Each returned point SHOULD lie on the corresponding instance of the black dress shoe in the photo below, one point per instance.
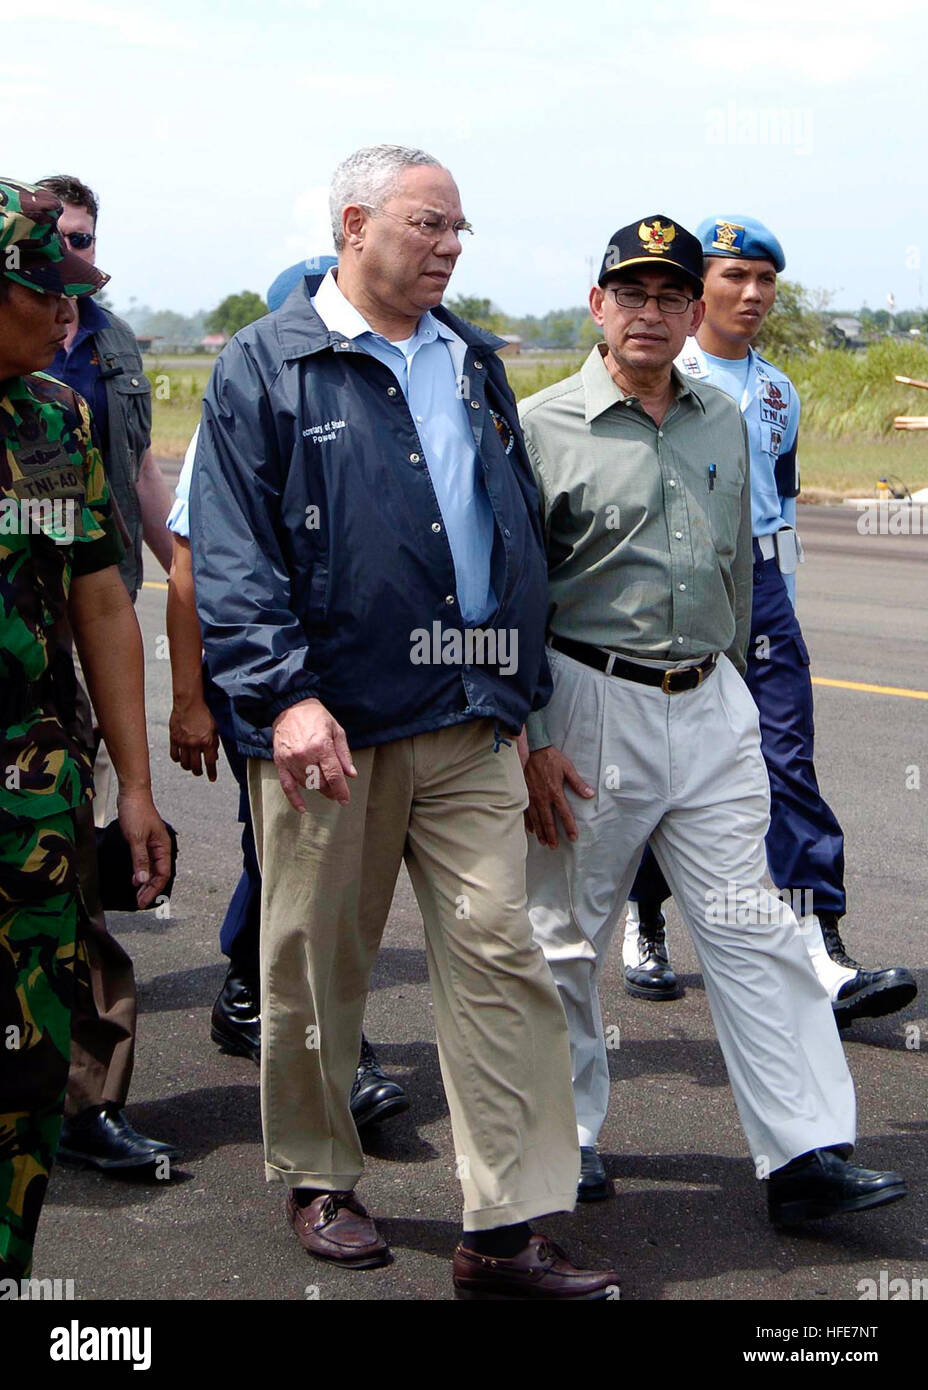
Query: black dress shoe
(374, 1097)
(652, 977)
(236, 1019)
(822, 1183)
(102, 1137)
(593, 1186)
(866, 993)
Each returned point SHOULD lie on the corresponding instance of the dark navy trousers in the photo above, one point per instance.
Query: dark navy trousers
(239, 934)
(805, 843)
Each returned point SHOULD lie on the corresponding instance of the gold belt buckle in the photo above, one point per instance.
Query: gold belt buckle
(679, 671)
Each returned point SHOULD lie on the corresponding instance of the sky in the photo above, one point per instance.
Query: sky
(210, 131)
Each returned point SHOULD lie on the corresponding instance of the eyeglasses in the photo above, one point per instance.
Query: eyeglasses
(431, 224)
(79, 241)
(633, 297)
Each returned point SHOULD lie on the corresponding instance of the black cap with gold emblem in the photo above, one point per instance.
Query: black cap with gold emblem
(654, 241)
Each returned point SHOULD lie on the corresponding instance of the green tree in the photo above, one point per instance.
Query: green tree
(590, 334)
(236, 311)
(562, 330)
(478, 311)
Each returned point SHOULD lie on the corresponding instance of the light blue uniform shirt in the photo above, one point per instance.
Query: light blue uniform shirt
(728, 375)
(428, 367)
(770, 406)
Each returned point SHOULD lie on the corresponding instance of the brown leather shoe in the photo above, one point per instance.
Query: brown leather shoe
(335, 1226)
(542, 1270)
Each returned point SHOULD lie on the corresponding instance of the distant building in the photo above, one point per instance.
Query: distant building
(214, 342)
(513, 345)
(846, 333)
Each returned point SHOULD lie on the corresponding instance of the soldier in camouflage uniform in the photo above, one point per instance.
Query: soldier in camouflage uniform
(58, 556)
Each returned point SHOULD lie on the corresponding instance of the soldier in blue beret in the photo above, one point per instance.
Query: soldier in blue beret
(805, 843)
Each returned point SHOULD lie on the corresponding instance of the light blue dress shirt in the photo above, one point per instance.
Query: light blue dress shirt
(178, 519)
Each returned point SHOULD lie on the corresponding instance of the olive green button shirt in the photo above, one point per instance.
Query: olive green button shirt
(647, 527)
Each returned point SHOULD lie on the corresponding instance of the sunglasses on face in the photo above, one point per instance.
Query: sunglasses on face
(78, 241)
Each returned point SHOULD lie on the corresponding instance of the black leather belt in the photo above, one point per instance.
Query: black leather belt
(672, 682)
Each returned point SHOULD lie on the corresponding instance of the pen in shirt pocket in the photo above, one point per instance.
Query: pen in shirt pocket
(711, 471)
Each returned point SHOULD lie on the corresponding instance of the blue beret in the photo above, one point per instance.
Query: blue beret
(288, 279)
(741, 238)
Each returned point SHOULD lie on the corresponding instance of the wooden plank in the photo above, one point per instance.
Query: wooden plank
(912, 381)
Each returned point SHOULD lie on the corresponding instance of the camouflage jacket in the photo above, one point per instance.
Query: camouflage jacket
(55, 522)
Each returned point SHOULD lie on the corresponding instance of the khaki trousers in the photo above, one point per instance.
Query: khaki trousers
(451, 807)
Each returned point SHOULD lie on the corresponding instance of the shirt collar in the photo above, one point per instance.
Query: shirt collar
(338, 313)
(92, 317)
(299, 329)
(340, 316)
(697, 354)
(600, 390)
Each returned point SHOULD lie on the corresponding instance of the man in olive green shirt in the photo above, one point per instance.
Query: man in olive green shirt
(645, 496)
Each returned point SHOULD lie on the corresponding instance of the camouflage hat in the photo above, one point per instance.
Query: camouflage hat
(32, 251)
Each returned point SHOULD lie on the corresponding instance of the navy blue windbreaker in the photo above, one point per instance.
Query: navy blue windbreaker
(315, 559)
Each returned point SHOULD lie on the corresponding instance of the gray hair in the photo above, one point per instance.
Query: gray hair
(371, 175)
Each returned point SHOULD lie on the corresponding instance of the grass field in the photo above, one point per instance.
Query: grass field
(846, 442)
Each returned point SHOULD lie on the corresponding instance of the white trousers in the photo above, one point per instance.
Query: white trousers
(685, 772)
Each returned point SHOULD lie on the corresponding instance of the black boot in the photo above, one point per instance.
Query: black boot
(651, 977)
(374, 1097)
(865, 993)
(593, 1186)
(236, 1017)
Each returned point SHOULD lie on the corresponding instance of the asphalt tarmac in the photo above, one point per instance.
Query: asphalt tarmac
(688, 1220)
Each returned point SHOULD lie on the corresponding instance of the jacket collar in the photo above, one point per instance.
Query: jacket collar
(301, 332)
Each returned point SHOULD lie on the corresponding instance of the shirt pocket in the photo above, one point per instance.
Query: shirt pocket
(724, 512)
(133, 394)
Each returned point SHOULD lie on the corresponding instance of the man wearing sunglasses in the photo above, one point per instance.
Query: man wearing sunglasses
(651, 733)
(99, 358)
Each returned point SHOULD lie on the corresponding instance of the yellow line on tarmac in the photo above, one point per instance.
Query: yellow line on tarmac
(872, 689)
(816, 680)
